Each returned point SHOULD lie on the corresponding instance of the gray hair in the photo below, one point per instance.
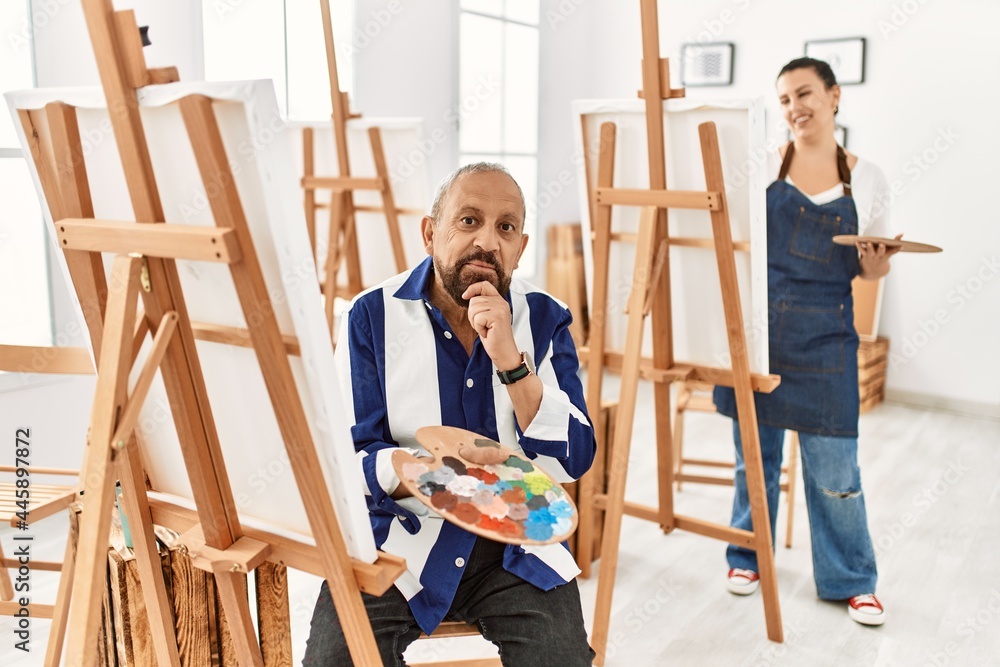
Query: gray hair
(474, 168)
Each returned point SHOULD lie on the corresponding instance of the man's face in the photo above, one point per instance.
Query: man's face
(479, 235)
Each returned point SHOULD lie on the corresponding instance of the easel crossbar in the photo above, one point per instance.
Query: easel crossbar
(763, 384)
(688, 199)
(207, 244)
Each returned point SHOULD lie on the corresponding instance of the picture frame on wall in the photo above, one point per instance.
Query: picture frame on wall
(709, 64)
(846, 57)
(840, 134)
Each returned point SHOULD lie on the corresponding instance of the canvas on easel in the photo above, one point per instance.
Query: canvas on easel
(694, 278)
(238, 374)
(408, 176)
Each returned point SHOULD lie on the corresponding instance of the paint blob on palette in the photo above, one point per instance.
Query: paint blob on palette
(486, 488)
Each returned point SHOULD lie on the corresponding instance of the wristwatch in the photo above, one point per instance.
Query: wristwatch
(519, 373)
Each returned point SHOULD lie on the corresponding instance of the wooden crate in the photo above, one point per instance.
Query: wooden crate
(564, 275)
(873, 362)
(203, 635)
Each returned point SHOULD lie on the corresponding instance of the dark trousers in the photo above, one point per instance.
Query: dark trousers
(531, 627)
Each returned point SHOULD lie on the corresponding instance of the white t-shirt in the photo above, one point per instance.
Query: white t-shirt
(869, 188)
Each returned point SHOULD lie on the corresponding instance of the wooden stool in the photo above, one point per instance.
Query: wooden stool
(44, 501)
(457, 629)
(697, 396)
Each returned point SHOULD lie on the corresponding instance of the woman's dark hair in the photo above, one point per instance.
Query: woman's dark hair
(821, 67)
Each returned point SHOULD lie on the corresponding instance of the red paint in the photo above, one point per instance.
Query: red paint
(483, 475)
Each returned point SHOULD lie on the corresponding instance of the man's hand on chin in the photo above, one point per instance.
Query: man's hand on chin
(489, 315)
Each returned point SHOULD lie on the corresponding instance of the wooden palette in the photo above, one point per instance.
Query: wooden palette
(480, 485)
(904, 246)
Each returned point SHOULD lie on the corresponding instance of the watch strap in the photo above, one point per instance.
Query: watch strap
(519, 373)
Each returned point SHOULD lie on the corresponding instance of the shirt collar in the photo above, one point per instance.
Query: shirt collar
(418, 284)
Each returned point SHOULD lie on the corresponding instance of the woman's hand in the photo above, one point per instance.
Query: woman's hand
(875, 258)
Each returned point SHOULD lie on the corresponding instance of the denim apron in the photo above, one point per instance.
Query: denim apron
(813, 345)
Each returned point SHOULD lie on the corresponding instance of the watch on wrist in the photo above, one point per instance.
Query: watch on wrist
(519, 373)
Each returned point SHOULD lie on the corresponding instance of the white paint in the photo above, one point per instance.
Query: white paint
(409, 67)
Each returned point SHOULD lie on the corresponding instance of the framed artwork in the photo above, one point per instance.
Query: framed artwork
(840, 134)
(707, 64)
(845, 56)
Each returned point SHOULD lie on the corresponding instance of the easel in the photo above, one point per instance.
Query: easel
(650, 294)
(145, 265)
(342, 241)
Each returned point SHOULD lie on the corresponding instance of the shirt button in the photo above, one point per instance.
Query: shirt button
(447, 334)
(459, 562)
(469, 383)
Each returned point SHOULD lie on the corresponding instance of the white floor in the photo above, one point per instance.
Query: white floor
(932, 482)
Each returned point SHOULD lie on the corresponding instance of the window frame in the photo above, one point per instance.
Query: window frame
(530, 263)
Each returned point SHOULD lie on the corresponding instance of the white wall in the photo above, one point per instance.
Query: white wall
(58, 409)
(929, 88)
(405, 66)
(64, 57)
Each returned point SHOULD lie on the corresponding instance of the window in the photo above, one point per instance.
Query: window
(25, 301)
(281, 41)
(498, 95)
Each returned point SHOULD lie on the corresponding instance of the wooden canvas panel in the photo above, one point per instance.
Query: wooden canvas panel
(260, 157)
(699, 327)
(407, 151)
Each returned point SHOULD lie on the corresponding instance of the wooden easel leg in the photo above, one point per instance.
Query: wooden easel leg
(793, 473)
(683, 394)
(309, 169)
(388, 199)
(663, 358)
(618, 466)
(350, 248)
(756, 490)
(112, 380)
(233, 592)
(334, 250)
(57, 632)
(595, 363)
(147, 556)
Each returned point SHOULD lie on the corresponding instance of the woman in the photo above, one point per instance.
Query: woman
(820, 191)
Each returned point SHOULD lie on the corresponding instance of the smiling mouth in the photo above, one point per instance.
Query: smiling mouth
(801, 120)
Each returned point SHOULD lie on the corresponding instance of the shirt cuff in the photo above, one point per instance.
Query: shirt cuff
(382, 481)
(548, 432)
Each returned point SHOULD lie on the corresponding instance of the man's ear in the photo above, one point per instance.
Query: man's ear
(524, 244)
(427, 233)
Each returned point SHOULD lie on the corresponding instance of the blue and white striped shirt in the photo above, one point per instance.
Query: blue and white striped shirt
(401, 368)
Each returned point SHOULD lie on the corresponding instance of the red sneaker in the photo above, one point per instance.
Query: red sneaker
(866, 610)
(742, 582)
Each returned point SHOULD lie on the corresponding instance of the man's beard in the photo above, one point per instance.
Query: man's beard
(453, 283)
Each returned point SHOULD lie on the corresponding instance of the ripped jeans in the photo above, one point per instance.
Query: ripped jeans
(842, 552)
